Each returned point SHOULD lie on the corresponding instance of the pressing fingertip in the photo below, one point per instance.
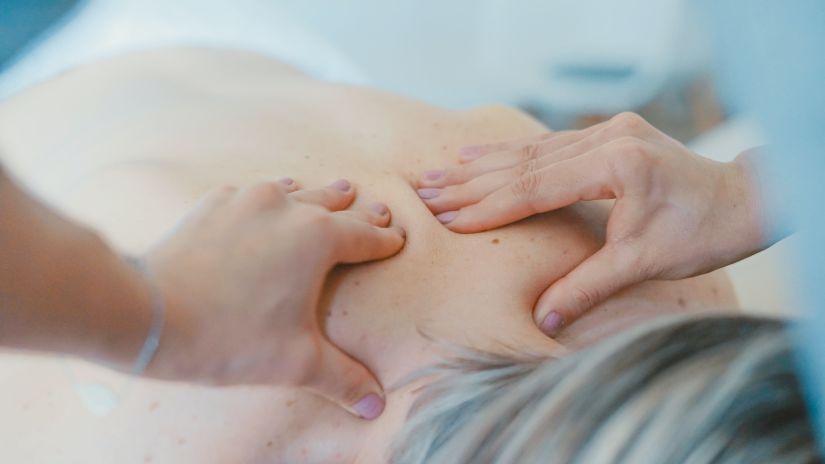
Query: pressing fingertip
(342, 185)
(369, 407)
(428, 193)
(401, 231)
(552, 323)
(379, 209)
(290, 186)
(446, 218)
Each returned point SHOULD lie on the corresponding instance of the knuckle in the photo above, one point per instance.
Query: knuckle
(628, 122)
(527, 186)
(583, 299)
(265, 193)
(529, 152)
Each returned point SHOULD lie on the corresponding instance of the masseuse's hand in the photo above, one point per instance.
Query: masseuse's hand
(676, 213)
(243, 275)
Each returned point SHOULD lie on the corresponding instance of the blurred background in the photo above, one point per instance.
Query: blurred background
(570, 63)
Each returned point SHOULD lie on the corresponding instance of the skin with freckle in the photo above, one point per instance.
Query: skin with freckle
(129, 144)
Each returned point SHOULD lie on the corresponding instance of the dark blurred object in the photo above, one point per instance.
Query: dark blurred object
(22, 21)
(683, 110)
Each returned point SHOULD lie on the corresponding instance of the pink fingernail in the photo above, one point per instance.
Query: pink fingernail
(434, 175)
(429, 193)
(379, 208)
(444, 218)
(342, 185)
(470, 152)
(552, 323)
(287, 181)
(369, 407)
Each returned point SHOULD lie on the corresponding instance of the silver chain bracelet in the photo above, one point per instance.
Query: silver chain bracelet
(150, 346)
(102, 397)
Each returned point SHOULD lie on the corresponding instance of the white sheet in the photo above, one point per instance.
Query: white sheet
(98, 29)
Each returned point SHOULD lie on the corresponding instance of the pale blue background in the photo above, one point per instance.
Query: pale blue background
(771, 60)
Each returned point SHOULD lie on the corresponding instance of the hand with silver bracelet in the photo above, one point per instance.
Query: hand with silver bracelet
(230, 297)
(242, 277)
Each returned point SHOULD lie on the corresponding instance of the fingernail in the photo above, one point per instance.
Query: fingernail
(379, 208)
(552, 323)
(342, 185)
(287, 181)
(444, 218)
(434, 175)
(470, 152)
(369, 407)
(429, 193)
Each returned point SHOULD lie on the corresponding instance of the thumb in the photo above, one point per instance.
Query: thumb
(347, 382)
(609, 270)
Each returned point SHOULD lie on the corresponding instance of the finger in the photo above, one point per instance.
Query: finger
(471, 152)
(348, 383)
(376, 214)
(490, 163)
(455, 197)
(289, 184)
(356, 241)
(609, 270)
(549, 150)
(335, 197)
(582, 178)
(469, 171)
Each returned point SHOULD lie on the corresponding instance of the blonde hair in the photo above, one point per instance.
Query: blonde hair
(690, 390)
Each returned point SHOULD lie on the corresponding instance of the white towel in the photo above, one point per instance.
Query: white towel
(100, 29)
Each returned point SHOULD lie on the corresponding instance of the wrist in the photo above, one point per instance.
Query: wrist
(122, 303)
(158, 308)
(173, 358)
(747, 206)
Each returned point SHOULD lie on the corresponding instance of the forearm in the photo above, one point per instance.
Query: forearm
(62, 289)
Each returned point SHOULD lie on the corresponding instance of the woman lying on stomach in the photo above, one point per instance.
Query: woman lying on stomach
(157, 130)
